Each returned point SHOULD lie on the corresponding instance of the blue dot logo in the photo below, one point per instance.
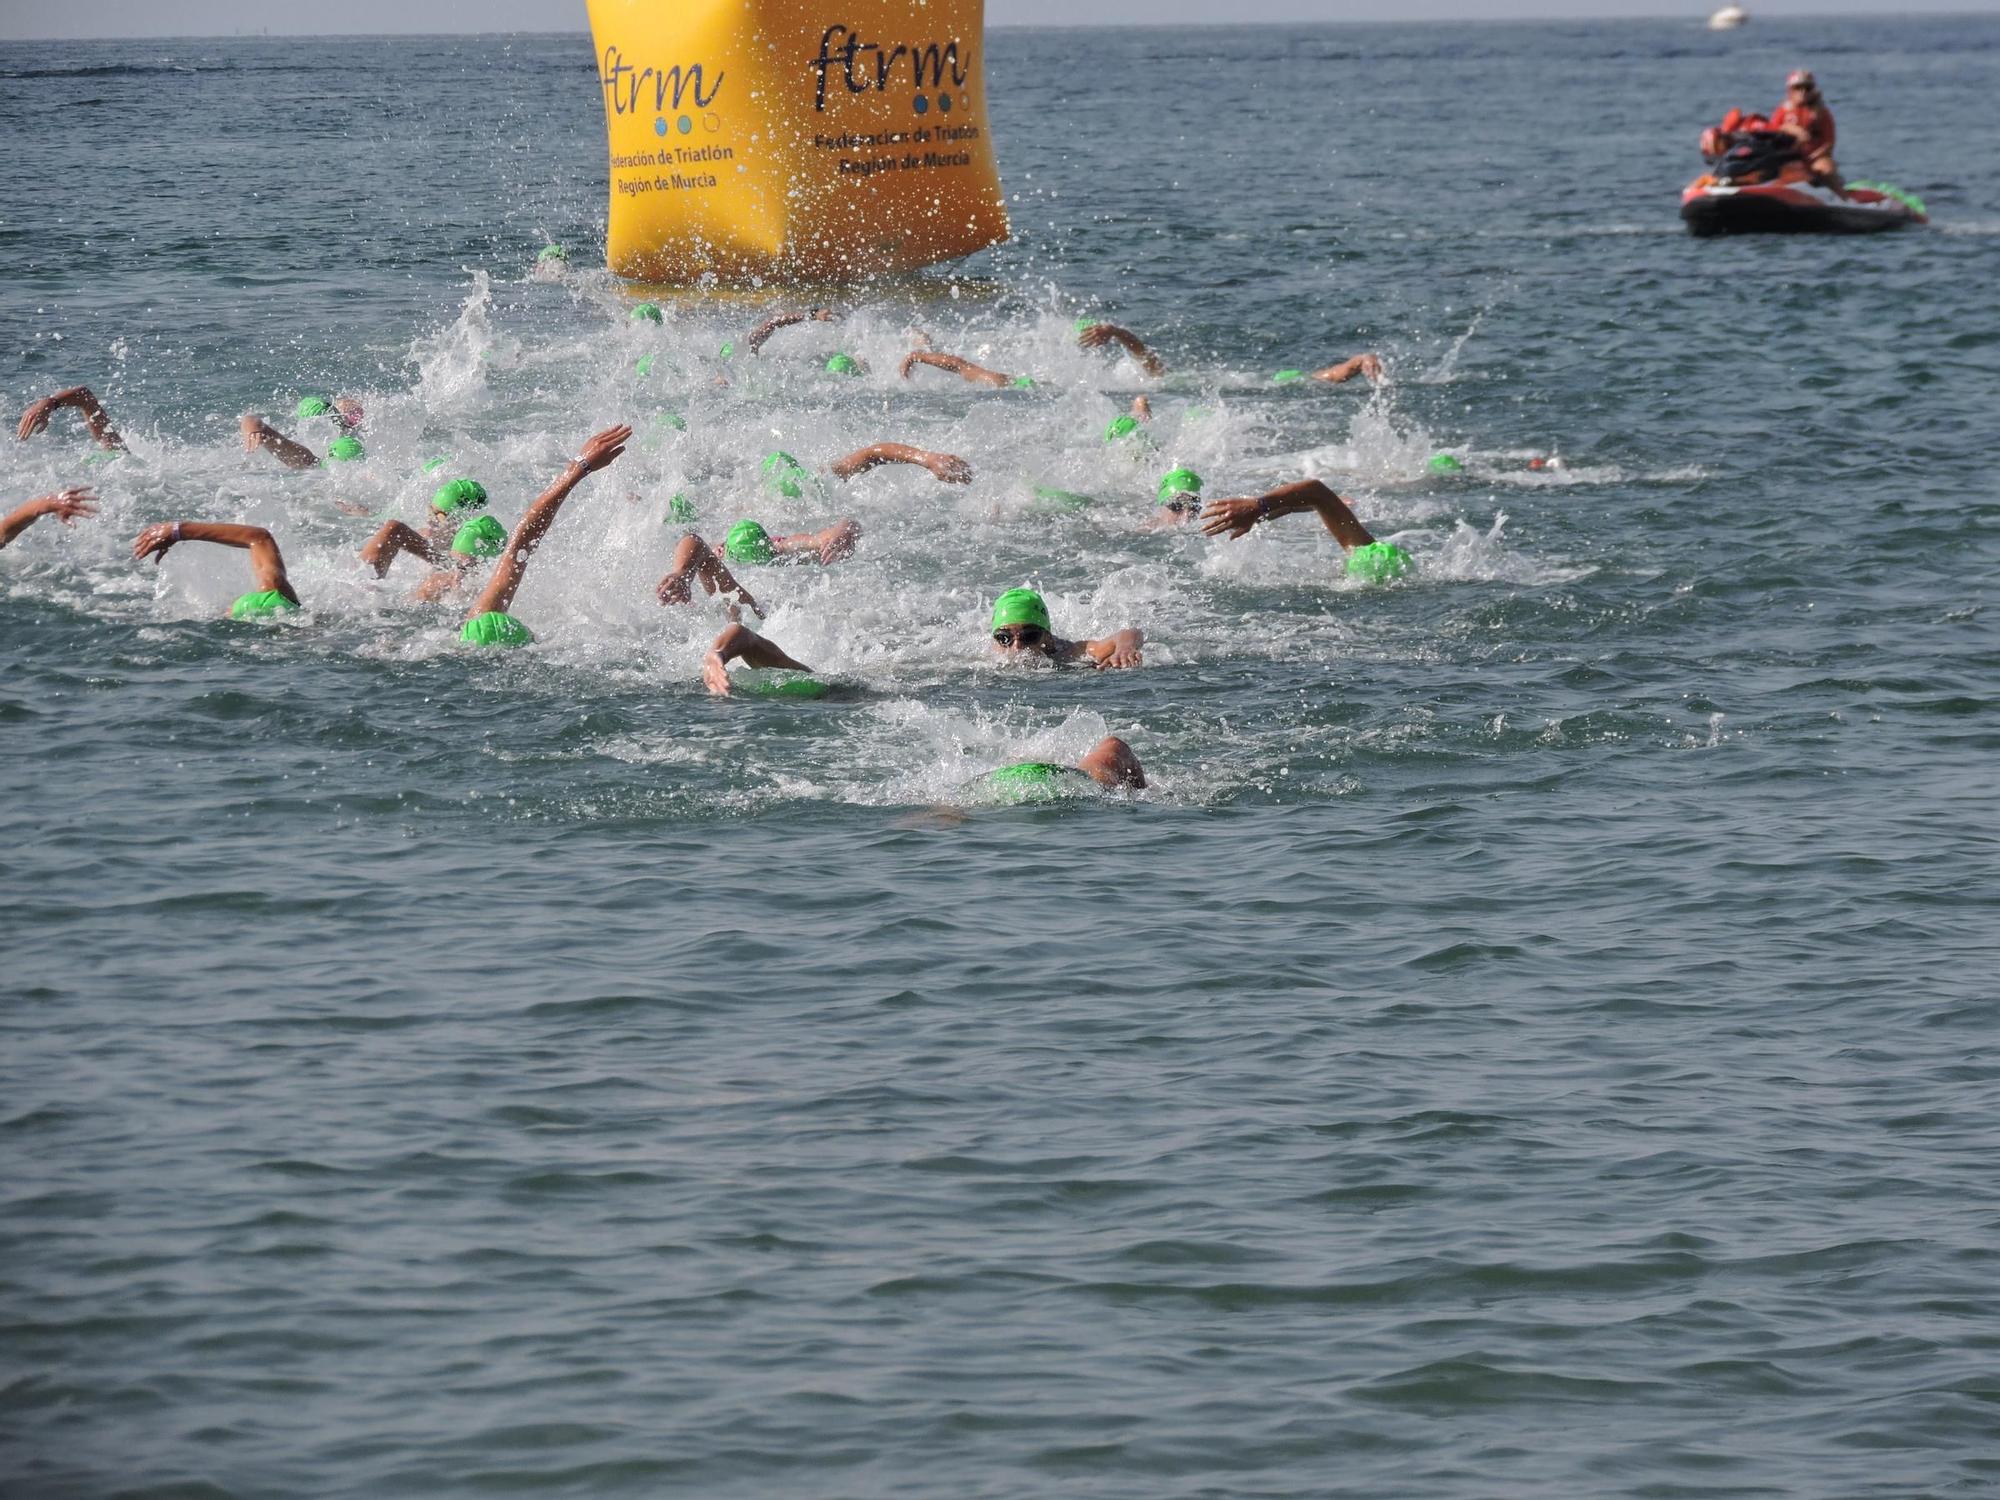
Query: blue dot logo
(660, 125)
(687, 125)
(923, 105)
(944, 103)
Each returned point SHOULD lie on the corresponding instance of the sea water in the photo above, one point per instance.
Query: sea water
(1534, 1035)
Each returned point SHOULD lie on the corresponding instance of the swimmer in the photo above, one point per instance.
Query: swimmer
(438, 543)
(64, 505)
(487, 623)
(761, 335)
(1091, 335)
(740, 643)
(1377, 562)
(749, 545)
(257, 433)
(274, 594)
(36, 417)
(947, 468)
(1021, 624)
(964, 369)
(1109, 763)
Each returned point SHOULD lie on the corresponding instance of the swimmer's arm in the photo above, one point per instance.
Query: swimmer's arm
(1338, 374)
(64, 505)
(267, 563)
(511, 566)
(257, 433)
(394, 539)
(947, 467)
(828, 546)
(1097, 335)
(762, 334)
(741, 643)
(1236, 518)
(36, 417)
(694, 558)
(964, 369)
(1121, 648)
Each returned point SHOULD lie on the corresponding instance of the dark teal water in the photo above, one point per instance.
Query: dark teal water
(1535, 1037)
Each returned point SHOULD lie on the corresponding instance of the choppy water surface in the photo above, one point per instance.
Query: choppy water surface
(1535, 1036)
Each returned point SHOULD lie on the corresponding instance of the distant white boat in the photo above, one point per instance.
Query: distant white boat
(1728, 18)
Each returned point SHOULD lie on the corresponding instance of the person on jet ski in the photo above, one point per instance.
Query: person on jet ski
(1806, 119)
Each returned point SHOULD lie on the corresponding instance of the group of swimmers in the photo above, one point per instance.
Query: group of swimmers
(459, 537)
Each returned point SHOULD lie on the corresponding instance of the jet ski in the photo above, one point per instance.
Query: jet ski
(1757, 184)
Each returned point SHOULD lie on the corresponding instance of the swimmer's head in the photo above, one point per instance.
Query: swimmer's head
(482, 536)
(648, 312)
(1444, 463)
(348, 411)
(1035, 781)
(1379, 562)
(680, 508)
(748, 542)
(459, 494)
(1288, 377)
(261, 605)
(671, 419)
(785, 475)
(1180, 490)
(437, 463)
(1083, 325)
(1121, 427)
(1022, 382)
(843, 364)
(315, 406)
(1021, 621)
(644, 366)
(495, 628)
(727, 350)
(554, 253)
(344, 448)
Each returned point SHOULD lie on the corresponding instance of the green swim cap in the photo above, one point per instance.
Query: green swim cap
(316, 406)
(645, 365)
(459, 494)
(1034, 781)
(1288, 377)
(649, 312)
(785, 475)
(1121, 427)
(482, 536)
(671, 419)
(1084, 325)
(843, 364)
(553, 252)
(1177, 482)
(343, 448)
(261, 605)
(1379, 562)
(748, 542)
(495, 628)
(1022, 382)
(768, 683)
(437, 463)
(679, 509)
(1444, 463)
(727, 349)
(1020, 607)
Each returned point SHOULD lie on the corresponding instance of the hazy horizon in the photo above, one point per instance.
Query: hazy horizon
(139, 19)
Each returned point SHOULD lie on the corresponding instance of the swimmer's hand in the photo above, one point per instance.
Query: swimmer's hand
(949, 468)
(715, 674)
(1117, 651)
(1361, 364)
(1231, 518)
(761, 335)
(67, 505)
(156, 541)
(602, 449)
(1097, 335)
(36, 418)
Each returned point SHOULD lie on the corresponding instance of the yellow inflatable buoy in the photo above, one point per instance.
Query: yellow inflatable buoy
(794, 139)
